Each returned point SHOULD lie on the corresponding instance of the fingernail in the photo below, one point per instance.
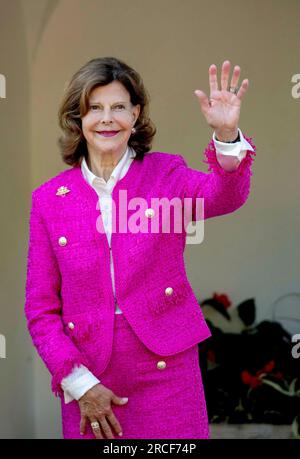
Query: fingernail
(120, 434)
(125, 399)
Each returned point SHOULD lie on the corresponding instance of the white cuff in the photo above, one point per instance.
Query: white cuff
(233, 149)
(230, 155)
(77, 383)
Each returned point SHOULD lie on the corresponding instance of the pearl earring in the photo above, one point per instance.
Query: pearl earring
(133, 130)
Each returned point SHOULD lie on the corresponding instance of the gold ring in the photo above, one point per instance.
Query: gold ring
(95, 425)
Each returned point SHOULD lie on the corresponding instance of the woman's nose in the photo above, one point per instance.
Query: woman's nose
(106, 115)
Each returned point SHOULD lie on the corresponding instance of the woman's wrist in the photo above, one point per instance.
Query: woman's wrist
(229, 136)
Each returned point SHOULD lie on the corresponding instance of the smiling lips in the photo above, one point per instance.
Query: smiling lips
(107, 133)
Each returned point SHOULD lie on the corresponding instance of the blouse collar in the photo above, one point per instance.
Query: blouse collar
(118, 172)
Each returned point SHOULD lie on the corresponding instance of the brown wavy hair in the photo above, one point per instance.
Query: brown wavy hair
(75, 104)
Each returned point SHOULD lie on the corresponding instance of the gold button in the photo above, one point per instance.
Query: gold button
(149, 212)
(161, 365)
(169, 291)
(62, 241)
(71, 325)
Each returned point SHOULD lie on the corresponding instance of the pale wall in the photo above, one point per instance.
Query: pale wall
(16, 370)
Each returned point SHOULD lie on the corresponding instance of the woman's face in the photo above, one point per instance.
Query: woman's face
(109, 109)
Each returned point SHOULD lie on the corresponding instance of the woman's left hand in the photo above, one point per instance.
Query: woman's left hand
(222, 109)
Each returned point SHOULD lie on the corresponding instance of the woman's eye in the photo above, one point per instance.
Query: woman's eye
(116, 107)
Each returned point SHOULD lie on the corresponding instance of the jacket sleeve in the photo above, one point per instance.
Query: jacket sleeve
(43, 304)
(217, 192)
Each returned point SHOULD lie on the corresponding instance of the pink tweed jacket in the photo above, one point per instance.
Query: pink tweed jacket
(69, 303)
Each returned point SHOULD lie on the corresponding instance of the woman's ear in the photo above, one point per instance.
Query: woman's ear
(136, 112)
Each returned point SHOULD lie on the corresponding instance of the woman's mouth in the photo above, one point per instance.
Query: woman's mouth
(107, 133)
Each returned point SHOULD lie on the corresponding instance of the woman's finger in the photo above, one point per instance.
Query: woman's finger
(115, 424)
(106, 428)
(225, 75)
(82, 425)
(213, 81)
(235, 76)
(203, 99)
(243, 89)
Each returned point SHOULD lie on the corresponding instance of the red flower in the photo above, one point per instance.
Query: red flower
(223, 299)
(250, 380)
(268, 368)
(255, 381)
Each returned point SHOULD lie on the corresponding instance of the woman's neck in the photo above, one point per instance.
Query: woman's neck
(103, 164)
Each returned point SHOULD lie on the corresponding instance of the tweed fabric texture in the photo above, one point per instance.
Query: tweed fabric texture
(167, 403)
(71, 283)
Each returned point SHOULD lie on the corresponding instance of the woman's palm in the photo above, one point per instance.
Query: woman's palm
(222, 109)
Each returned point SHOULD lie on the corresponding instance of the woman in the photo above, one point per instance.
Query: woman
(108, 303)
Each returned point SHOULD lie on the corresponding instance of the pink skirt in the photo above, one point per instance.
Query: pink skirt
(166, 403)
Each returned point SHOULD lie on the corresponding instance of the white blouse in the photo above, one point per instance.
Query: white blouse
(229, 155)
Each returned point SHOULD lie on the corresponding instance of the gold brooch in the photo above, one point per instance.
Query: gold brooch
(62, 191)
